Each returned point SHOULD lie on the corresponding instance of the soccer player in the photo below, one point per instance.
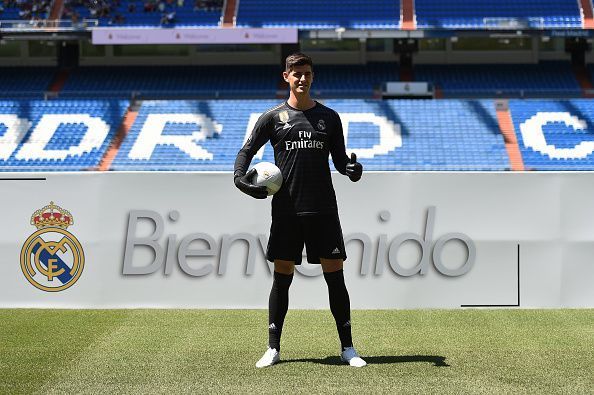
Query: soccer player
(303, 132)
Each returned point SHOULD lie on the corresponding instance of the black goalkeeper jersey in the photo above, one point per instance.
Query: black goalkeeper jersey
(302, 141)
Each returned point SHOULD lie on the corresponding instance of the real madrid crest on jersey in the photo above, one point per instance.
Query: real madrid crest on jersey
(283, 116)
(321, 124)
(52, 259)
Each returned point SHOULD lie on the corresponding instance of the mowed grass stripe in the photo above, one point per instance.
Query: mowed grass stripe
(38, 345)
(214, 351)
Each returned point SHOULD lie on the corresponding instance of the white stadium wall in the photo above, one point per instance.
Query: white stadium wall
(191, 240)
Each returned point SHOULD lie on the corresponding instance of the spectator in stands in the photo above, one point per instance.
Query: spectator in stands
(168, 18)
(117, 19)
(149, 6)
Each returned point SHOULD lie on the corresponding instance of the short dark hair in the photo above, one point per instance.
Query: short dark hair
(297, 59)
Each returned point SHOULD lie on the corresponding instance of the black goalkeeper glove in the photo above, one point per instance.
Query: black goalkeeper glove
(354, 169)
(245, 185)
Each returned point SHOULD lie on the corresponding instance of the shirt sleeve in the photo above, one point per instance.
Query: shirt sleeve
(337, 147)
(259, 136)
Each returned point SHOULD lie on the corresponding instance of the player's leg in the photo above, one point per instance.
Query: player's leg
(284, 243)
(325, 245)
(278, 302)
(278, 305)
(340, 306)
(325, 240)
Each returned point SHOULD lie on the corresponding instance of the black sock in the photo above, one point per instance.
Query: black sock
(278, 304)
(340, 306)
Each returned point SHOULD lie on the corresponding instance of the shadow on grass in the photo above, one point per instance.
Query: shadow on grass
(335, 360)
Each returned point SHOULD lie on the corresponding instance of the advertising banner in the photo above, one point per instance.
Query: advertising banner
(108, 36)
(192, 240)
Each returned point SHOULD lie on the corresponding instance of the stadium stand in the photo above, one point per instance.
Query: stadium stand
(25, 81)
(232, 81)
(27, 142)
(555, 134)
(388, 135)
(473, 14)
(590, 71)
(141, 13)
(351, 14)
(178, 135)
(224, 81)
(24, 9)
(461, 133)
(546, 79)
(353, 80)
(514, 80)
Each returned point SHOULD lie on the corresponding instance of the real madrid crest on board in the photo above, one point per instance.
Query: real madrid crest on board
(321, 124)
(52, 259)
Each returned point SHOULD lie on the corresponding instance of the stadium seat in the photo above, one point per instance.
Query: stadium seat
(132, 13)
(555, 134)
(436, 135)
(473, 14)
(543, 79)
(25, 81)
(48, 151)
(352, 14)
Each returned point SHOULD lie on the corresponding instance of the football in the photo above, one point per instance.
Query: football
(268, 175)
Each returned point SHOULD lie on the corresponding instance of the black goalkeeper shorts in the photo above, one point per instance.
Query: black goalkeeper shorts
(321, 234)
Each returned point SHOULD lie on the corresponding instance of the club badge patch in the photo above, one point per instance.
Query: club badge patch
(283, 116)
(321, 124)
(52, 259)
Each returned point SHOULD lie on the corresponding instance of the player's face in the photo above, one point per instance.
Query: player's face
(299, 79)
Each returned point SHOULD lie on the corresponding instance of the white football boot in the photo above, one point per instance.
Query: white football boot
(270, 357)
(350, 356)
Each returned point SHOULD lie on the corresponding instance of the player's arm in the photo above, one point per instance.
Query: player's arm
(343, 164)
(241, 177)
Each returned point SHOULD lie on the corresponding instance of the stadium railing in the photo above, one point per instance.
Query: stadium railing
(44, 25)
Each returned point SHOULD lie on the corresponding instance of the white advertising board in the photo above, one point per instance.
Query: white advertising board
(186, 35)
(407, 88)
(192, 240)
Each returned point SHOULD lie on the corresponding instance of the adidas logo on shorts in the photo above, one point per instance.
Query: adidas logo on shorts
(336, 251)
(272, 327)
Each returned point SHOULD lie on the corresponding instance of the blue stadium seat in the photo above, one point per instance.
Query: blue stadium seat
(25, 80)
(13, 11)
(185, 15)
(55, 152)
(435, 135)
(555, 135)
(543, 79)
(312, 14)
(179, 80)
(225, 81)
(478, 14)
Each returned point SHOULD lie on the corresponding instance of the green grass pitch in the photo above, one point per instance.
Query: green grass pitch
(214, 351)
